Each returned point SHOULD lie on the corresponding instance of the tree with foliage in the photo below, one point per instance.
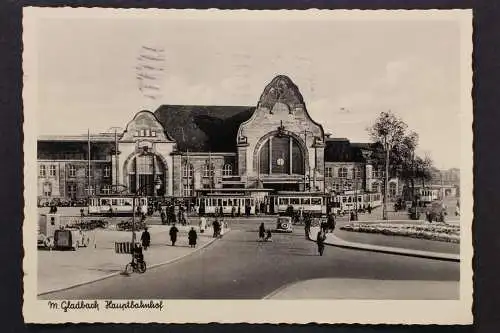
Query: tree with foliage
(394, 148)
(388, 131)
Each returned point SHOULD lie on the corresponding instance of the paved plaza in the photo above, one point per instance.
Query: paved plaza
(239, 266)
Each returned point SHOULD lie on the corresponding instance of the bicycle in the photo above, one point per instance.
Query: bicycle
(135, 266)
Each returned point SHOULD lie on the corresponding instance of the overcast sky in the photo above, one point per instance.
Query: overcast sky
(348, 71)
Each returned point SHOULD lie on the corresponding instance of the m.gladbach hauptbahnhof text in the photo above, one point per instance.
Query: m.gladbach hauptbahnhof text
(184, 151)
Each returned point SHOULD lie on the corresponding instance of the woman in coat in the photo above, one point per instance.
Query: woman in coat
(262, 232)
(192, 236)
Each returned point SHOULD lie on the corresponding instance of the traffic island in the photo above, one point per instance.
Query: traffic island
(333, 240)
(431, 231)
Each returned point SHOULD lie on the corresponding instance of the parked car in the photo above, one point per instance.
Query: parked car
(284, 224)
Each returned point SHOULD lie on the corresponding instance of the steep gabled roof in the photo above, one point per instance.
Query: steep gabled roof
(203, 128)
(341, 150)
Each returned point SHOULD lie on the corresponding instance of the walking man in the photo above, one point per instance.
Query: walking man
(145, 238)
(173, 234)
(320, 240)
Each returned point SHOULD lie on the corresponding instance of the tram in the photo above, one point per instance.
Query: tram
(313, 203)
(207, 205)
(428, 195)
(347, 202)
(116, 205)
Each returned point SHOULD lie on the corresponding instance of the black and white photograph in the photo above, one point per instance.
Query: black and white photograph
(195, 166)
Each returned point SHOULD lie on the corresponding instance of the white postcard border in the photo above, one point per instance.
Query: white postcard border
(258, 311)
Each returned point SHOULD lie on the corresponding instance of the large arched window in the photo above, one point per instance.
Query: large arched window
(227, 170)
(145, 173)
(342, 172)
(281, 155)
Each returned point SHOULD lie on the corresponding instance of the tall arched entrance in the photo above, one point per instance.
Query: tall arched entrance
(281, 162)
(146, 174)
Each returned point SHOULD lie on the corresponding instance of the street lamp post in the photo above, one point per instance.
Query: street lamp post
(355, 194)
(307, 155)
(386, 185)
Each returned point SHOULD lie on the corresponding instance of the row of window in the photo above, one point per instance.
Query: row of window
(72, 190)
(375, 187)
(343, 172)
(42, 171)
(145, 133)
(208, 170)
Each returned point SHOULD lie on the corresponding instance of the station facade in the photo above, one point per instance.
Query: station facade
(185, 151)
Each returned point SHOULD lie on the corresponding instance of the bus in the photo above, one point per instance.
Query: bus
(113, 205)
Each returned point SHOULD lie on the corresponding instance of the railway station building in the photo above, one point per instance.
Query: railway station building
(184, 151)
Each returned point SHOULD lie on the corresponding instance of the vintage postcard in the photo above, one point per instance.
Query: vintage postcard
(196, 166)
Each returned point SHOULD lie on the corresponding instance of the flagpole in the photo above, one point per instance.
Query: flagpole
(210, 170)
(88, 159)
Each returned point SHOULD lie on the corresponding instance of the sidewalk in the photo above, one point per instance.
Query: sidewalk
(64, 269)
(342, 288)
(333, 240)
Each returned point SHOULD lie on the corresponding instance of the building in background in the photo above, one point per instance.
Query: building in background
(185, 151)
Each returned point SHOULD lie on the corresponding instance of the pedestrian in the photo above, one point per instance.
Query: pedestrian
(369, 209)
(239, 210)
(269, 236)
(307, 228)
(203, 224)
(192, 236)
(173, 234)
(262, 231)
(162, 216)
(331, 222)
(145, 238)
(222, 224)
(320, 240)
(82, 214)
(233, 211)
(215, 225)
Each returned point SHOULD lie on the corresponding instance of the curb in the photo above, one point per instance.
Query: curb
(338, 242)
(171, 261)
(283, 287)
